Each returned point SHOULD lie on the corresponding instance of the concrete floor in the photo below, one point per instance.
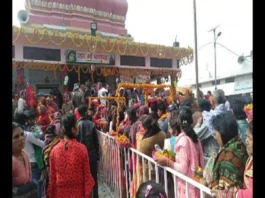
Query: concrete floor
(102, 191)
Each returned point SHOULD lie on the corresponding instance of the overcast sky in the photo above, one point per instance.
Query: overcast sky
(156, 21)
(159, 21)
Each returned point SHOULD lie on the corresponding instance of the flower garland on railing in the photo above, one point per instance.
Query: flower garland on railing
(145, 88)
(249, 111)
(99, 44)
(105, 71)
(117, 99)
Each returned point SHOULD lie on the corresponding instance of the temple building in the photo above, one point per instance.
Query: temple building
(62, 42)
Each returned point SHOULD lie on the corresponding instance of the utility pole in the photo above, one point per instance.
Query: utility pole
(196, 50)
(214, 44)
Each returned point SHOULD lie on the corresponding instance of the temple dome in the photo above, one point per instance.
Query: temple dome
(85, 3)
(117, 7)
(120, 7)
(105, 5)
(110, 15)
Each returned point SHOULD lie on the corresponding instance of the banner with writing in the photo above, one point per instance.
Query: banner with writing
(243, 84)
(143, 77)
(127, 79)
(73, 56)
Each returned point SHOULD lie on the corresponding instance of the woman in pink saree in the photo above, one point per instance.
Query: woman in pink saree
(189, 154)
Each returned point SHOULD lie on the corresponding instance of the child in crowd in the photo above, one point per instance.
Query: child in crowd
(151, 189)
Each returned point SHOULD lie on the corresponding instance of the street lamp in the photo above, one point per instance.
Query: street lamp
(214, 44)
(176, 44)
(93, 28)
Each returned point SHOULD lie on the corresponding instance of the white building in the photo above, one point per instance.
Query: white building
(236, 81)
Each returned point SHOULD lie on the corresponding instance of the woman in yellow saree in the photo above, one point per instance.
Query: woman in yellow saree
(136, 165)
(148, 135)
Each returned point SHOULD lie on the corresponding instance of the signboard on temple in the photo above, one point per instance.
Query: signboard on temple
(143, 77)
(73, 56)
(126, 79)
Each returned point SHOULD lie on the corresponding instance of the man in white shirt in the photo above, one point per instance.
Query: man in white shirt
(227, 105)
(30, 141)
(102, 93)
(21, 103)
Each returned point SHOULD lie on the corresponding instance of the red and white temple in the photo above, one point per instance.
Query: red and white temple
(54, 41)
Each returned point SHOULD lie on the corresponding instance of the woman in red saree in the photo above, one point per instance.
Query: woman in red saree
(43, 118)
(42, 102)
(70, 174)
(51, 107)
(31, 98)
(100, 115)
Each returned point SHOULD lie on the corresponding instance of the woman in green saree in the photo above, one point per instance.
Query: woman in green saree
(229, 165)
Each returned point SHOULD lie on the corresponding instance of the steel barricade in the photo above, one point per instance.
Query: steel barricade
(120, 169)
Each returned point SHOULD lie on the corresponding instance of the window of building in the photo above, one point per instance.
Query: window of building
(218, 82)
(229, 80)
(161, 62)
(45, 54)
(132, 61)
(199, 86)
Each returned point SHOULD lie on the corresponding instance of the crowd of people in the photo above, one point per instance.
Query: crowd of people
(56, 150)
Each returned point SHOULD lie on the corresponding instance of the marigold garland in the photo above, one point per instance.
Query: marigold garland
(145, 88)
(125, 48)
(106, 71)
(156, 51)
(117, 45)
(108, 43)
(147, 51)
(132, 48)
(117, 99)
(248, 109)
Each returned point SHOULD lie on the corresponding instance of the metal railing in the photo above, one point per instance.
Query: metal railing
(110, 164)
(119, 166)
